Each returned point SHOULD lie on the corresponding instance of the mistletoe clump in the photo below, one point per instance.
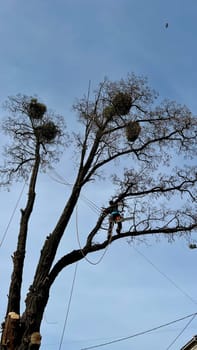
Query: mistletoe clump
(47, 132)
(109, 112)
(36, 110)
(132, 131)
(122, 103)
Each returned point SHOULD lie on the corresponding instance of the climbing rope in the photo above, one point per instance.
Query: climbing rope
(78, 239)
(93, 206)
(75, 272)
(68, 308)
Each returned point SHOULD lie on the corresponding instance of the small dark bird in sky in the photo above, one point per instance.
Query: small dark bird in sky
(166, 25)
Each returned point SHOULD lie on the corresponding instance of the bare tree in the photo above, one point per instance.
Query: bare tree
(121, 122)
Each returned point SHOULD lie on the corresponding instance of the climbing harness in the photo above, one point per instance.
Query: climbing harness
(116, 217)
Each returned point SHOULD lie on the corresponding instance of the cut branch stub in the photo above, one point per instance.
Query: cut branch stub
(35, 338)
(132, 131)
(122, 103)
(10, 331)
(36, 110)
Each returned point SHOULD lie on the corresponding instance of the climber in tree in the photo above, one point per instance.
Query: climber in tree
(115, 217)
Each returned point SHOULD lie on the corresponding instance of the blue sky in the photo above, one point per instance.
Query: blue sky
(53, 49)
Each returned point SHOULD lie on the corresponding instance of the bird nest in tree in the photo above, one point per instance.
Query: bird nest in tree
(36, 110)
(47, 132)
(132, 131)
(122, 103)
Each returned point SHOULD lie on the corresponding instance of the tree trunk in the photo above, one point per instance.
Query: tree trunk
(19, 255)
(10, 335)
(36, 302)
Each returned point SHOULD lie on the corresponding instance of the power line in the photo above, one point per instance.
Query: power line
(188, 323)
(164, 275)
(68, 308)
(91, 204)
(140, 333)
(48, 322)
(12, 215)
(62, 181)
(175, 285)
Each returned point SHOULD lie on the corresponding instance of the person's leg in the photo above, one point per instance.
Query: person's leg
(111, 224)
(119, 227)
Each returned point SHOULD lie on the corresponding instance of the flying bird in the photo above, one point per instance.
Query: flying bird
(166, 25)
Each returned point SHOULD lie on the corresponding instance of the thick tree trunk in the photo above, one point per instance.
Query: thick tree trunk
(19, 255)
(10, 335)
(23, 333)
(31, 319)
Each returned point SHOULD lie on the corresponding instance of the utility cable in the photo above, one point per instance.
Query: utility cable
(12, 215)
(164, 275)
(91, 204)
(48, 322)
(188, 323)
(140, 333)
(68, 308)
(176, 286)
(62, 181)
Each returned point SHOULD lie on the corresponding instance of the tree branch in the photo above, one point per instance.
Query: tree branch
(80, 254)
